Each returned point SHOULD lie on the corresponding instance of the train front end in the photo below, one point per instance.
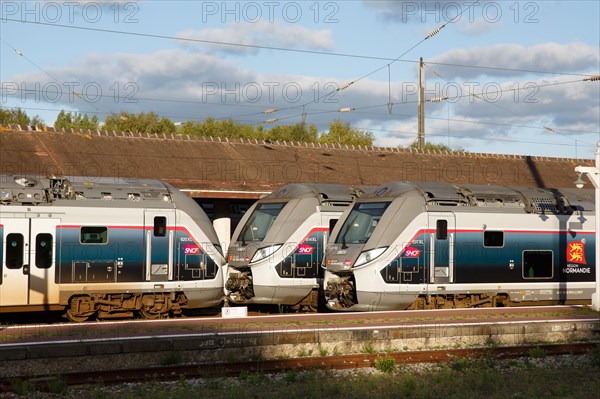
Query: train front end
(364, 244)
(276, 251)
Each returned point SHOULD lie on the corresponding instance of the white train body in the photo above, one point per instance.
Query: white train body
(276, 251)
(435, 245)
(105, 247)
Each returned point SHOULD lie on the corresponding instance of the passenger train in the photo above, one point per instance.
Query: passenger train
(105, 247)
(276, 250)
(435, 245)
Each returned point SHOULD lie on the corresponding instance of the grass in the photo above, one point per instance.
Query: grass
(528, 378)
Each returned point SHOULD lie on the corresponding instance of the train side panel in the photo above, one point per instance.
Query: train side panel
(99, 248)
(439, 245)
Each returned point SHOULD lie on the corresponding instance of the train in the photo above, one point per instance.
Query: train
(412, 245)
(277, 249)
(105, 248)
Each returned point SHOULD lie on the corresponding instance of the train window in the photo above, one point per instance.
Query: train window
(43, 250)
(160, 226)
(332, 223)
(94, 235)
(493, 238)
(259, 223)
(361, 222)
(441, 229)
(14, 251)
(538, 264)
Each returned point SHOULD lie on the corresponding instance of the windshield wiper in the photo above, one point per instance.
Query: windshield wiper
(344, 246)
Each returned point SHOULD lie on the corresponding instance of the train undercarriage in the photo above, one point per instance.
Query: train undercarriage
(240, 288)
(125, 305)
(341, 294)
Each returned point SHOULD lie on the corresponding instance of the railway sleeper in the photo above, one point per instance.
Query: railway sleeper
(125, 305)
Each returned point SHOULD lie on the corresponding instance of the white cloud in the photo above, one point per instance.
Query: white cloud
(262, 33)
(552, 57)
(185, 85)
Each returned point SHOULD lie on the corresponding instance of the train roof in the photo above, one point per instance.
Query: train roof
(325, 193)
(531, 200)
(38, 190)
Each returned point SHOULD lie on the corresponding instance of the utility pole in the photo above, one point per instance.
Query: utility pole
(421, 138)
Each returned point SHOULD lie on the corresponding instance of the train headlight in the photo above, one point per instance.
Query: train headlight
(369, 255)
(264, 252)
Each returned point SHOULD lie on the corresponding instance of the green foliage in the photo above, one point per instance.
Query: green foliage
(172, 358)
(339, 132)
(458, 363)
(368, 348)
(594, 356)
(220, 128)
(75, 120)
(537, 353)
(14, 116)
(386, 364)
(434, 147)
(58, 386)
(573, 379)
(142, 123)
(37, 121)
(305, 353)
(342, 133)
(22, 388)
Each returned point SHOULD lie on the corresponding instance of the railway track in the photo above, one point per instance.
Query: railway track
(233, 369)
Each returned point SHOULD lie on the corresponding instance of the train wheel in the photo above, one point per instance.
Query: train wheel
(152, 315)
(81, 308)
(76, 317)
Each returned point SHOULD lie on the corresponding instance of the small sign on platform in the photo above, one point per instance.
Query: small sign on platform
(236, 311)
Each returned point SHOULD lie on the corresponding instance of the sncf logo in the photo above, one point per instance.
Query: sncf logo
(576, 253)
(305, 249)
(190, 249)
(412, 252)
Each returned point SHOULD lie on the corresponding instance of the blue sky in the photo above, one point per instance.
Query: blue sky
(512, 70)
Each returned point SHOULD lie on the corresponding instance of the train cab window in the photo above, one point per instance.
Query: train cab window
(538, 264)
(361, 222)
(94, 235)
(43, 250)
(14, 251)
(332, 223)
(493, 239)
(441, 229)
(160, 226)
(259, 223)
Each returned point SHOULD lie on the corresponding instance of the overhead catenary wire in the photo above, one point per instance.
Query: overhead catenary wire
(52, 78)
(396, 131)
(433, 33)
(376, 106)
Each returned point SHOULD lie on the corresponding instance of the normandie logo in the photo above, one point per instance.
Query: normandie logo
(576, 253)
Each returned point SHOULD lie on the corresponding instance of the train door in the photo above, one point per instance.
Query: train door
(442, 228)
(28, 262)
(158, 241)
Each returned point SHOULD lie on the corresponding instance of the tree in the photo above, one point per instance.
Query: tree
(142, 122)
(37, 121)
(14, 116)
(221, 128)
(297, 132)
(434, 147)
(73, 120)
(342, 133)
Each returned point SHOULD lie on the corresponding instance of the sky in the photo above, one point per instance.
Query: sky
(509, 74)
